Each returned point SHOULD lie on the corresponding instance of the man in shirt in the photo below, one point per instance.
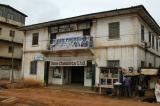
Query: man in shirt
(127, 86)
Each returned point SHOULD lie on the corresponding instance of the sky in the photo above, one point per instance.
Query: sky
(46, 10)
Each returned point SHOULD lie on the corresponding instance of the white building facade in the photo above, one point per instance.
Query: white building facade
(73, 50)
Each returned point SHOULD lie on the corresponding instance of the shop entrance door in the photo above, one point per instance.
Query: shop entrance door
(77, 75)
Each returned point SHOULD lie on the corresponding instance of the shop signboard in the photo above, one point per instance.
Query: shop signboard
(69, 63)
(39, 57)
(80, 42)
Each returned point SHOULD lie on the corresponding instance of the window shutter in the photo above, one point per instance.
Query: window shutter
(157, 43)
(142, 32)
(86, 32)
(114, 30)
(150, 37)
(33, 69)
(35, 39)
(53, 36)
(113, 63)
(153, 41)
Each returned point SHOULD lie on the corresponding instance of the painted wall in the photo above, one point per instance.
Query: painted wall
(5, 33)
(128, 32)
(124, 48)
(4, 50)
(43, 40)
(28, 57)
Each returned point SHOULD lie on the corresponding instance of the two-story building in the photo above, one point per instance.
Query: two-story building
(11, 40)
(73, 50)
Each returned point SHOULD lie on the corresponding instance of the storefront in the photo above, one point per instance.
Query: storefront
(70, 70)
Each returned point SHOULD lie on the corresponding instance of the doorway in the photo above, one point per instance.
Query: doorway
(77, 75)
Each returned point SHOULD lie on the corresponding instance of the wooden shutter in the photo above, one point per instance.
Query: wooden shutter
(153, 41)
(150, 37)
(114, 30)
(53, 36)
(142, 32)
(157, 43)
(35, 39)
(86, 32)
(33, 67)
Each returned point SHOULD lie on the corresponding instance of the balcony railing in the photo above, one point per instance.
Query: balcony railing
(71, 43)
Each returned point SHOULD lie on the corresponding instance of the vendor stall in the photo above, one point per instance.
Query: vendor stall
(150, 80)
(109, 77)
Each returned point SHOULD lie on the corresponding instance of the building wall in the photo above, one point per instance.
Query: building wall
(4, 50)
(128, 32)
(150, 58)
(28, 57)
(127, 47)
(5, 33)
(43, 40)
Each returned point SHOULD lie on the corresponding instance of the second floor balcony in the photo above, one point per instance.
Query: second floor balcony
(71, 43)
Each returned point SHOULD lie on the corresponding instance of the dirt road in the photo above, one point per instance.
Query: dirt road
(50, 97)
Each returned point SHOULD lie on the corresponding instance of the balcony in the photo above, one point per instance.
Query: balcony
(71, 43)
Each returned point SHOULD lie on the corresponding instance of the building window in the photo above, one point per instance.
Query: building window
(33, 67)
(35, 39)
(150, 37)
(142, 32)
(12, 33)
(114, 30)
(57, 73)
(86, 32)
(152, 42)
(142, 64)
(113, 63)
(10, 16)
(0, 31)
(10, 49)
(53, 36)
(156, 43)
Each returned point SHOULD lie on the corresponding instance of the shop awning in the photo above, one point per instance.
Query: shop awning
(149, 71)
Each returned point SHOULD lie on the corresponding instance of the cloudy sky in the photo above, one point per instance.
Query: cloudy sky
(46, 10)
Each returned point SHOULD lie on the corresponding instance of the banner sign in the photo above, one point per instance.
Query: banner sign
(71, 43)
(69, 63)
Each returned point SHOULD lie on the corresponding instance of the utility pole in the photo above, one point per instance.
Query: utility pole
(12, 66)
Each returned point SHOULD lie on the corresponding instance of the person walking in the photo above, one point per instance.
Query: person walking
(127, 86)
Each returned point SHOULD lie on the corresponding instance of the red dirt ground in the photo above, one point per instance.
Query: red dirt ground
(52, 97)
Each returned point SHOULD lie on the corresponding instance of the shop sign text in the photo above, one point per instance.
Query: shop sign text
(68, 63)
